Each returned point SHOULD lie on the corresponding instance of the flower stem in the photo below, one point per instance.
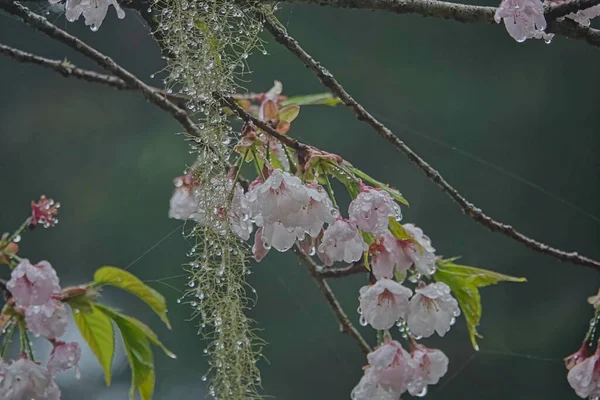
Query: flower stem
(10, 330)
(329, 188)
(16, 233)
(25, 342)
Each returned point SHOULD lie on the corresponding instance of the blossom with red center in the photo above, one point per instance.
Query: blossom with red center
(341, 241)
(388, 255)
(388, 375)
(523, 19)
(584, 377)
(384, 303)
(580, 355)
(429, 365)
(432, 309)
(44, 212)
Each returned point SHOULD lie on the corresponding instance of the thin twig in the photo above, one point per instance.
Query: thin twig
(359, 111)
(66, 69)
(43, 25)
(353, 269)
(346, 325)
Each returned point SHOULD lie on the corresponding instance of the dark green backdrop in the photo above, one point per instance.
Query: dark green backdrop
(529, 109)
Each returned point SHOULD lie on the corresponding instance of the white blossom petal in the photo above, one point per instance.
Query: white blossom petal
(24, 380)
(432, 309)
(342, 242)
(33, 284)
(384, 303)
(371, 210)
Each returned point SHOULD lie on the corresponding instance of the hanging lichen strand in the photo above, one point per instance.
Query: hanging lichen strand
(207, 44)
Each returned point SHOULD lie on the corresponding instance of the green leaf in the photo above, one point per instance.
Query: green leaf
(465, 281)
(393, 192)
(122, 279)
(139, 354)
(145, 329)
(398, 230)
(97, 330)
(289, 113)
(326, 99)
(137, 338)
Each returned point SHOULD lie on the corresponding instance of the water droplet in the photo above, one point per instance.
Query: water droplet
(422, 393)
(204, 378)
(94, 28)
(362, 321)
(17, 239)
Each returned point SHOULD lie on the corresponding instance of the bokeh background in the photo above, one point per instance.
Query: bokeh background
(512, 126)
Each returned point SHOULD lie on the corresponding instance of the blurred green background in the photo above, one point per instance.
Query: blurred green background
(487, 112)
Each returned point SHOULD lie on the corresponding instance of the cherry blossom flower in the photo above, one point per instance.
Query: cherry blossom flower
(259, 250)
(342, 242)
(94, 11)
(280, 237)
(48, 320)
(384, 303)
(33, 284)
(184, 202)
(24, 380)
(368, 389)
(239, 214)
(388, 254)
(312, 216)
(371, 210)
(44, 212)
(64, 356)
(579, 356)
(271, 96)
(584, 377)
(392, 366)
(279, 197)
(423, 257)
(429, 365)
(432, 309)
(524, 19)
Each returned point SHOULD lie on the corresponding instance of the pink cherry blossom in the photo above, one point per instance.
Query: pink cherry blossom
(24, 380)
(392, 366)
(371, 210)
(44, 212)
(94, 11)
(584, 377)
(259, 250)
(422, 257)
(48, 320)
(239, 214)
(429, 365)
(279, 197)
(280, 237)
(184, 201)
(432, 309)
(388, 255)
(524, 19)
(369, 389)
(33, 284)
(64, 356)
(315, 213)
(384, 303)
(342, 242)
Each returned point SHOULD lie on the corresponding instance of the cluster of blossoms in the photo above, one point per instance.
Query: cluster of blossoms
(524, 19)
(292, 208)
(583, 365)
(34, 300)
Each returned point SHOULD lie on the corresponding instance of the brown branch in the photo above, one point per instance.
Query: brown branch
(66, 69)
(361, 114)
(42, 24)
(346, 325)
(353, 269)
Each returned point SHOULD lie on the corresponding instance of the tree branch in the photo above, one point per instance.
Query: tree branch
(361, 114)
(66, 69)
(43, 25)
(346, 325)
(353, 269)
